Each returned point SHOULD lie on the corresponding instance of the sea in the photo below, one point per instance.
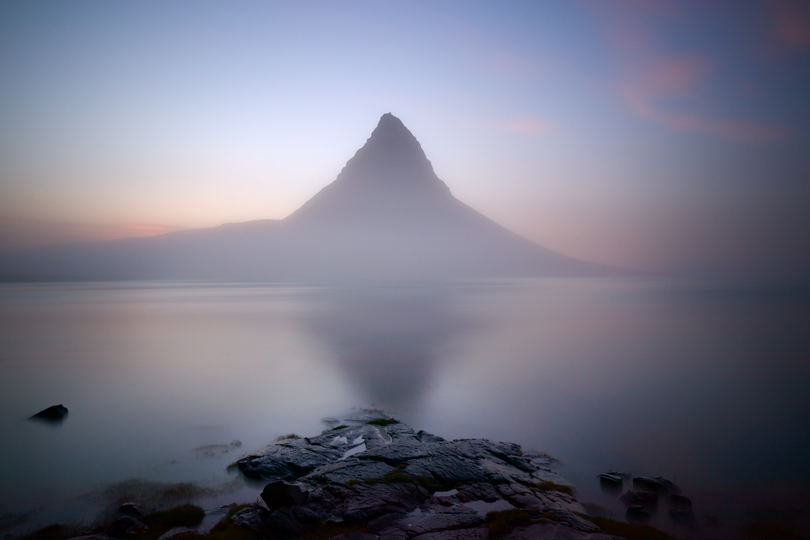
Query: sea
(703, 382)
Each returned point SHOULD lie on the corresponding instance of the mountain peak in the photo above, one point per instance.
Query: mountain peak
(392, 131)
(389, 121)
(390, 174)
(391, 155)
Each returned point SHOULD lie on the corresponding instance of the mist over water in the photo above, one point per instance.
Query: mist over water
(702, 383)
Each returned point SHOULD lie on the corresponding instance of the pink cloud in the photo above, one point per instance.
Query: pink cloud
(653, 75)
(526, 125)
(21, 233)
(646, 94)
(730, 129)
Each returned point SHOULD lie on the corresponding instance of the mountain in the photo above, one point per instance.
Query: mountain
(386, 215)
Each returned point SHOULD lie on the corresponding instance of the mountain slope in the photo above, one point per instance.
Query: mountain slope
(386, 215)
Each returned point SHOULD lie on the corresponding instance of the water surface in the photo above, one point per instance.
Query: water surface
(701, 383)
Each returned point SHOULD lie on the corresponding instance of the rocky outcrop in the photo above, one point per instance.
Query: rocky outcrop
(54, 413)
(370, 476)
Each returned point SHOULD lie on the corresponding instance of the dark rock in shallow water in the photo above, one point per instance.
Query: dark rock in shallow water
(130, 509)
(646, 498)
(611, 482)
(385, 480)
(54, 413)
(657, 484)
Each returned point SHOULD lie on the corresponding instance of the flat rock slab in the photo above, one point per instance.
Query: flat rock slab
(372, 476)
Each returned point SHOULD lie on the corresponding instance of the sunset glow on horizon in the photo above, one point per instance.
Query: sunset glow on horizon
(659, 135)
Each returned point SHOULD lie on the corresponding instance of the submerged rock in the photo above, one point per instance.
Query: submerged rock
(657, 484)
(646, 498)
(371, 476)
(54, 413)
(130, 509)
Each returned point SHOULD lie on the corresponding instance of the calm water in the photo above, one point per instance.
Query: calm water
(706, 385)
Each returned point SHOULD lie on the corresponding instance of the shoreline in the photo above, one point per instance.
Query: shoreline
(369, 476)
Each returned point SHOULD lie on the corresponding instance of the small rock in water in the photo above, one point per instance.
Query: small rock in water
(657, 484)
(54, 413)
(130, 509)
(648, 499)
(612, 478)
(611, 481)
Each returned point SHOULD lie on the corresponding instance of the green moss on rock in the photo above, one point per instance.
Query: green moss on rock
(553, 486)
(382, 422)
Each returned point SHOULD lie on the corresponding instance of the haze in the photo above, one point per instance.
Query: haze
(657, 135)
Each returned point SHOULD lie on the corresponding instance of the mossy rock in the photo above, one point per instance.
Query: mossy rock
(400, 476)
(382, 422)
(553, 486)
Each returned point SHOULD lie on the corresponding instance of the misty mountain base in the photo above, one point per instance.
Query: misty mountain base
(386, 216)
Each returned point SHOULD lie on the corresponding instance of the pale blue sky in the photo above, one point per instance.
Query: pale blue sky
(659, 134)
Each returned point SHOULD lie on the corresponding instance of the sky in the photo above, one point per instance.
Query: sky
(661, 135)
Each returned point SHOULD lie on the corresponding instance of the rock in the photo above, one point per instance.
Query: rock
(657, 484)
(130, 509)
(432, 519)
(611, 482)
(281, 494)
(394, 482)
(251, 517)
(594, 509)
(54, 413)
(287, 459)
(643, 498)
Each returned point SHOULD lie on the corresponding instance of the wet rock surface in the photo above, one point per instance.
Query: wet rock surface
(370, 476)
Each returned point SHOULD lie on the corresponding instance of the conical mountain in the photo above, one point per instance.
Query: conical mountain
(388, 209)
(388, 178)
(386, 215)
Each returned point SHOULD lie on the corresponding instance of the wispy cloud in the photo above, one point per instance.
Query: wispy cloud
(654, 75)
(649, 90)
